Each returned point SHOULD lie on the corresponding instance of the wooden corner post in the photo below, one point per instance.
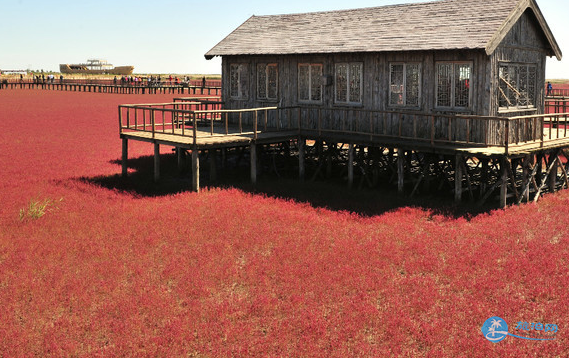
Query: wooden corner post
(301, 154)
(195, 170)
(350, 165)
(156, 162)
(253, 163)
(124, 157)
(458, 178)
(400, 170)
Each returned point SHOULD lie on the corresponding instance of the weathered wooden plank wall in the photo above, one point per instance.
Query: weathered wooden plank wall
(524, 43)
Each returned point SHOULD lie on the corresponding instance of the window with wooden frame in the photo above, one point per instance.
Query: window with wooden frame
(267, 81)
(453, 85)
(310, 83)
(405, 84)
(349, 79)
(517, 85)
(238, 81)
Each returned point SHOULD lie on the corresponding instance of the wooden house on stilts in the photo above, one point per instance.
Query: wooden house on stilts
(450, 89)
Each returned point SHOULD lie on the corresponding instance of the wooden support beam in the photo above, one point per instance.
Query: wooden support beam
(301, 158)
(156, 162)
(426, 166)
(350, 165)
(484, 176)
(564, 171)
(124, 157)
(464, 166)
(538, 193)
(457, 178)
(503, 183)
(213, 165)
(529, 178)
(181, 156)
(525, 179)
(195, 170)
(552, 178)
(512, 180)
(400, 170)
(253, 163)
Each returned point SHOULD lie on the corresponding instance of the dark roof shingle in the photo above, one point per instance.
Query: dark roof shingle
(437, 25)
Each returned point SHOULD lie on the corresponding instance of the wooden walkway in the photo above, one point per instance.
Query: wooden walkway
(205, 140)
(517, 166)
(106, 88)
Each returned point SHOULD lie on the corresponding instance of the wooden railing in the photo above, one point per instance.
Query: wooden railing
(182, 119)
(434, 129)
(556, 105)
(558, 92)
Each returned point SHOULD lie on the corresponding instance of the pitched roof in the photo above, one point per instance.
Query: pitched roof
(437, 25)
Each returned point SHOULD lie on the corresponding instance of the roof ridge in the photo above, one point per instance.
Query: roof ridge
(357, 9)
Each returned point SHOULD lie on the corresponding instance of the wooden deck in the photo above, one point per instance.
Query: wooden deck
(525, 159)
(205, 140)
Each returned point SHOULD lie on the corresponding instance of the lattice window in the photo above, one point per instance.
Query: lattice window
(462, 85)
(238, 81)
(405, 84)
(517, 85)
(349, 83)
(272, 81)
(342, 83)
(453, 84)
(310, 82)
(267, 81)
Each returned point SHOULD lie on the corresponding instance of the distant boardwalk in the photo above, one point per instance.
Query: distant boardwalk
(107, 86)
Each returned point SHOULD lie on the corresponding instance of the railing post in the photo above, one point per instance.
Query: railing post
(226, 123)
(211, 122)
(153, 120)
(120, 119)
(541, 122)
(128, 117)
(195, 131)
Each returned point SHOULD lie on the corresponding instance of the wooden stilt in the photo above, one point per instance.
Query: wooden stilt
(124, 157)
(156, 162)
(400, 170)
(195, 170)
(181, 154)
(253, 163)
(512, 178)
(525, 179)
(350, 165)
(301, 158)
(504, 183)
(457, 178)
(213, 165)
(552, 178)
(484, 176)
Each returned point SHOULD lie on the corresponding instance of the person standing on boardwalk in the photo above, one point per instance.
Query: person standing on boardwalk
(549, 89)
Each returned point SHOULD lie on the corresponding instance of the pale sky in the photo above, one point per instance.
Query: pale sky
(168, 36)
